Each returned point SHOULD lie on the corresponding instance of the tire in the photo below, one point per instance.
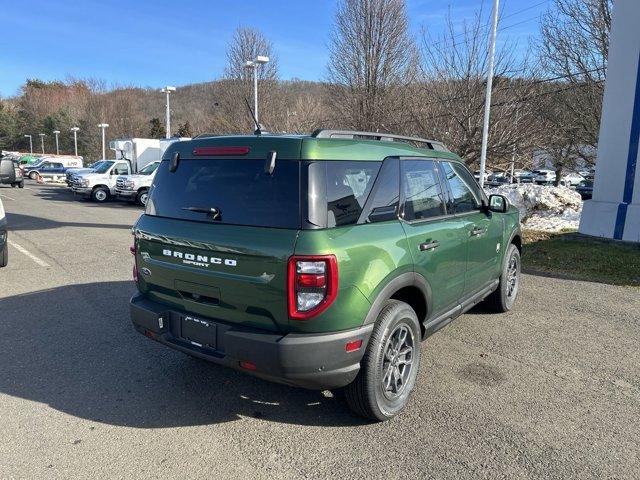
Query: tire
(503, 299)
(33, 175)
(366, 395)
(13, 185)
(100, 194)
(141, 198)
(21, 184)
(4, 255)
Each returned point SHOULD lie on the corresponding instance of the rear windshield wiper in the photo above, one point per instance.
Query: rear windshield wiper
(215, 213)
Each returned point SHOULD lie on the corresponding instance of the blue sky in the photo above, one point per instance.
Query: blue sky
(155, 43)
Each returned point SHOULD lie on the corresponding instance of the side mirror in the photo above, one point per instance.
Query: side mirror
(498, 203)
(383, 214)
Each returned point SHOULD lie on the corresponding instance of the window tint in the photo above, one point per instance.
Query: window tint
(348, 187)
(465, 193)
(385, 194)
(240, 189)
(422, 192)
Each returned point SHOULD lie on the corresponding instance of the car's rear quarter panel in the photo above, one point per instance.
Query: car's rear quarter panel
(369, 256)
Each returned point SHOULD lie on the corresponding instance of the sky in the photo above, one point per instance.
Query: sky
(155, 43)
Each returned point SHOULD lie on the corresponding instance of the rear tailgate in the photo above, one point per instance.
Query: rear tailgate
(232, 273)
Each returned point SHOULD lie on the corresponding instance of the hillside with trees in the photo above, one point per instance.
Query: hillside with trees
(379, 78)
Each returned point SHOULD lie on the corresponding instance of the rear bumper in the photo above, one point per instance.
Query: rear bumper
(313, 361)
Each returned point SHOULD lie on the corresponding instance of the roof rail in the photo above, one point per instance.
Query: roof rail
(384, 137)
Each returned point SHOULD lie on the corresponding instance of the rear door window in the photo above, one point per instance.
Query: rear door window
(423, 197)
(239, 190)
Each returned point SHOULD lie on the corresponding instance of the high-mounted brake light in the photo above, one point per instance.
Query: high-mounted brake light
(312, 285)
(217, 151)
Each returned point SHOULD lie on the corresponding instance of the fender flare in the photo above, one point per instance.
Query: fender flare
(408, 279)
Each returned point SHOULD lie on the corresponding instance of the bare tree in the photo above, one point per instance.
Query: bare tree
(575, 45)
(372, 61)
(246, 44)
(449, 98)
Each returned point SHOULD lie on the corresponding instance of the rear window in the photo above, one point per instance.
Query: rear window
(239, 190)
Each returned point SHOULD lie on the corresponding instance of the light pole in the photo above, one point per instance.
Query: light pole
(259, 60)
(30, 143)
(168, 89)
(42, 135)
(75, 138)
(103, 126)
(487, 100)
(56, 133)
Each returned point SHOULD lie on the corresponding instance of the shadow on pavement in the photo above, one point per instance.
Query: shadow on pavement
(73, 348)
(61, 193)
(17, 222)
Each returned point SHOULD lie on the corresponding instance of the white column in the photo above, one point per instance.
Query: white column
(614, 211)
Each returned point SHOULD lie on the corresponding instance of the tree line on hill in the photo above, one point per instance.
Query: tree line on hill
(379, 78)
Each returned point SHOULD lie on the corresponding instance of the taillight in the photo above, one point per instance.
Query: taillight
(312, 285)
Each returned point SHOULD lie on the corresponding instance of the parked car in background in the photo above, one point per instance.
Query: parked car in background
(585, 189)
(497, 179)
(4, 247)
(544, 176)
(135, 188)
(10, 173)
(476, 174)
(100, 183)
(89, 168)
(571, 179)
(519, 174)
(46, 169)
(526, 176)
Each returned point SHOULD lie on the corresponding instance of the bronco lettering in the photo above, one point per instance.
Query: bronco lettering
(201, 260)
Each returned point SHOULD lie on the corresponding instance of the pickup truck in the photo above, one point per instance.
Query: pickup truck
(100, 183)
(136, 187)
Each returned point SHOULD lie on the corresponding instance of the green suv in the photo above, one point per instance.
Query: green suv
(319, 261)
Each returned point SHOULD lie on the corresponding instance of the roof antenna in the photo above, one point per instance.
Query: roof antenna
(258, 130)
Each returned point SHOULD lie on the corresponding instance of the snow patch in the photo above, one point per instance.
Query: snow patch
(541, 207)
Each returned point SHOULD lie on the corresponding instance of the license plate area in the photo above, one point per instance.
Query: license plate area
(199, 332)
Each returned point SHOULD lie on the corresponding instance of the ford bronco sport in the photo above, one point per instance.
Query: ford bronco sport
(319, 261)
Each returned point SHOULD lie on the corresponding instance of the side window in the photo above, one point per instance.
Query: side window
(45, 166)
(383, 202)
(422, 191)
(348, 187)
(465, 193)
(57, 165)
(120, 169)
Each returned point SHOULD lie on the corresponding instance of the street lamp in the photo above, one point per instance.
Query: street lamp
(75, 138)
(259, 60)
(42, 135)
(56, 133)
(30, 143)
(168, 89)
(103, 126)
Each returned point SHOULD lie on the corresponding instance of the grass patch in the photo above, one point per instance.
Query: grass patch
(581, 258)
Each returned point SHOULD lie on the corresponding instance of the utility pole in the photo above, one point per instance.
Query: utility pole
(75, 139)
(259, 60)
(56, 133)
(42, 135)
(487, 101)
(168, 89)
(513, 153)
(103, 126)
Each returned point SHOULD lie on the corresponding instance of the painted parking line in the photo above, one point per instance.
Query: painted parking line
(26, 252)
(7, 197)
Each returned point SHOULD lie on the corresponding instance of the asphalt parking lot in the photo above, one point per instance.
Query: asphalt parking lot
(550, 390)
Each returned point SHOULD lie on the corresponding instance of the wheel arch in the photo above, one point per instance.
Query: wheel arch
(411, 288)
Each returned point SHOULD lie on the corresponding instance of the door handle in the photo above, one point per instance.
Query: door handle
(429, 246)
(477, 231)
